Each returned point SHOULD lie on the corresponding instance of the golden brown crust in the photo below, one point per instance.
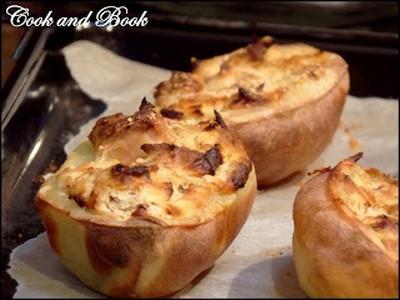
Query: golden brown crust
(146, 260)
(335, 253)
(283, 101)
(144, 208)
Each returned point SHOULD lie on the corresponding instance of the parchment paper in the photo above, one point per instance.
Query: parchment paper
(259, 261)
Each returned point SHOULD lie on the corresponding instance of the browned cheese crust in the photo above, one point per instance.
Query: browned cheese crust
(283, 101)
(148, 203)
(345, 240)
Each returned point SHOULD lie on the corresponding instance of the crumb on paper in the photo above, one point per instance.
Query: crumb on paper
(353, 143)
(277, 252)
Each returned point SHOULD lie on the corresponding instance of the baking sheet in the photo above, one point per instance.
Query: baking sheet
(259, 262)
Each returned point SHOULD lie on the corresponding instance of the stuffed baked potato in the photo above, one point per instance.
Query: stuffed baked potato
(345, 240)
(147, 203)
(283, 101)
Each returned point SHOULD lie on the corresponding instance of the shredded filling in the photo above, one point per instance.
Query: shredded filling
(371, 197)
(152, 167)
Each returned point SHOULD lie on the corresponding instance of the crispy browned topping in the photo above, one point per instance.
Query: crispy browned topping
(143, 167)
(179, 80)
(140, 211)
(240, 175)
(182, 189)
(266, 74)
(203, 164)
(356, 157)
(78, 200)
(246, 96)
(256, 51)
(171, 114)
(111, 126)
(211, 126)
(219, 120)
(102, 128)
(196, 109)
(151, 148)
(182, 153)
(135, 171)
(209, 162)
(383, 221)
(145, 104)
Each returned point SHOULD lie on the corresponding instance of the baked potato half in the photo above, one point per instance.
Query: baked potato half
(283, 101)
(147, 203)
(345, 240)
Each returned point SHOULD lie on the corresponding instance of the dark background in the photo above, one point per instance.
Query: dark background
(43, 106)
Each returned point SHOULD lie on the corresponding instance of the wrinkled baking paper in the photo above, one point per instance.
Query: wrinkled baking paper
(259, 261)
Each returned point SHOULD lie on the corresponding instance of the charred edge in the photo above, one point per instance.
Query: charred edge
(219, 119)
(384, 222)
(170, 189)
(260, 87)
(140, 211)
(194, 63)
(196, 109)
(182, 189)
(246, 96)
(256, 51)
(171, 114)
(104, 127)
(145, 104)
(240, 175)
(210, 161)
(135, 171)
(78, 200)
(356, 157)
(210, 126)
(312, 74)
(151, 148)
(319, 171)
(144, 118)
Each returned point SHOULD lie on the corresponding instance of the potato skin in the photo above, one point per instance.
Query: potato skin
(287, 142)
(147, 260)
(332, 256)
